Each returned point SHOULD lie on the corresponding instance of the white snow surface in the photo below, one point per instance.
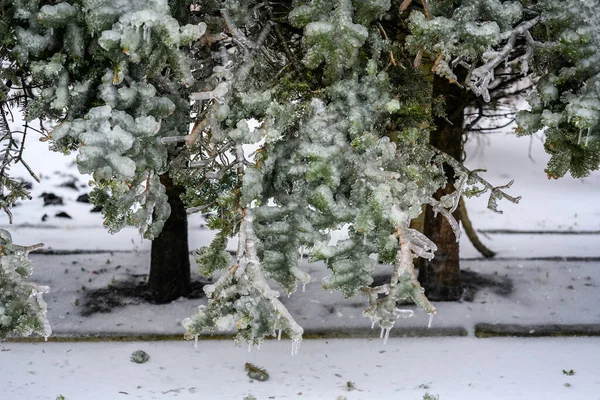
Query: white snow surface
(453, 368)
(564, 204)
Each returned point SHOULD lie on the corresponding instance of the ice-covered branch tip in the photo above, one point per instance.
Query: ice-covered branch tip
(241, 298)
(403, 283)
(190, 139)
(496, 192)
(480, 78)
(23, 310)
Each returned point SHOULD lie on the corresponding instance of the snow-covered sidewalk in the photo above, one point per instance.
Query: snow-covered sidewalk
(527, 293)
(357, 369)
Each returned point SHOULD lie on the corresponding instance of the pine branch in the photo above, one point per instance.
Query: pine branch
(403, 282)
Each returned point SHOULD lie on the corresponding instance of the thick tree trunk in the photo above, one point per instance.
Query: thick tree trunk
(441, 276)
(169, 276)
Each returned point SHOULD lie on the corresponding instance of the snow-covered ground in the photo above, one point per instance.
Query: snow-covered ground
(521, 292)
(357, 369)
(565, 204)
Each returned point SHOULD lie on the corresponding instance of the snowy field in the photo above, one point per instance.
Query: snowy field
(556, 288)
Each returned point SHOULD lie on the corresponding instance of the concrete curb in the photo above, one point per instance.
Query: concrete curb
(553, 330)
(482, 331)
(308, 335)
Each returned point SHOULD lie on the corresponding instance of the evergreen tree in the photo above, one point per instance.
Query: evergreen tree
(344, 107)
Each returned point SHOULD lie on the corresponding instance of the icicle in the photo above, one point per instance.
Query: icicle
(579, 138)
(372, 324)
(387, 335)
(303, 287)
(430, 320)
(296, 346)
(289, 295)
(587, 137)
(381, 333)
(146, 33)
(279, 335)
(196, 342)
(365, 239)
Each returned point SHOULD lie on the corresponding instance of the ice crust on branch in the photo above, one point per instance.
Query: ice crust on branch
(555, 42)
(242, 299)
(403, 284)
(22, 306)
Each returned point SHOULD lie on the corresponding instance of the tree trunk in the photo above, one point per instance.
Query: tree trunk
(169, 276)
(441, 276)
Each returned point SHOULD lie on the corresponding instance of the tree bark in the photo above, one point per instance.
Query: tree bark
(441, 276)
(169, 276)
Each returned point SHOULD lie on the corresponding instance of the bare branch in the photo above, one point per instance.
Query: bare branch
(483, 75)
(496, 192)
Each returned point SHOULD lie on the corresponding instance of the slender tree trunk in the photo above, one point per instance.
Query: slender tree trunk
(441, 276)
(169, 276)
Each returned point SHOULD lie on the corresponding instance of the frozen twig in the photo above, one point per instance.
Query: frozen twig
(496, 192)
(480, 77)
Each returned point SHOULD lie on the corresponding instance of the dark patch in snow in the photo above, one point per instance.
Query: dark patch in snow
(63, 214)
(71, 184)
(50, 199)
(84, 198)
(474, 281)
(123, 293)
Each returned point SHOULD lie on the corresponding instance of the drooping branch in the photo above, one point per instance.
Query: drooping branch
(403, 282)
(245, 283)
